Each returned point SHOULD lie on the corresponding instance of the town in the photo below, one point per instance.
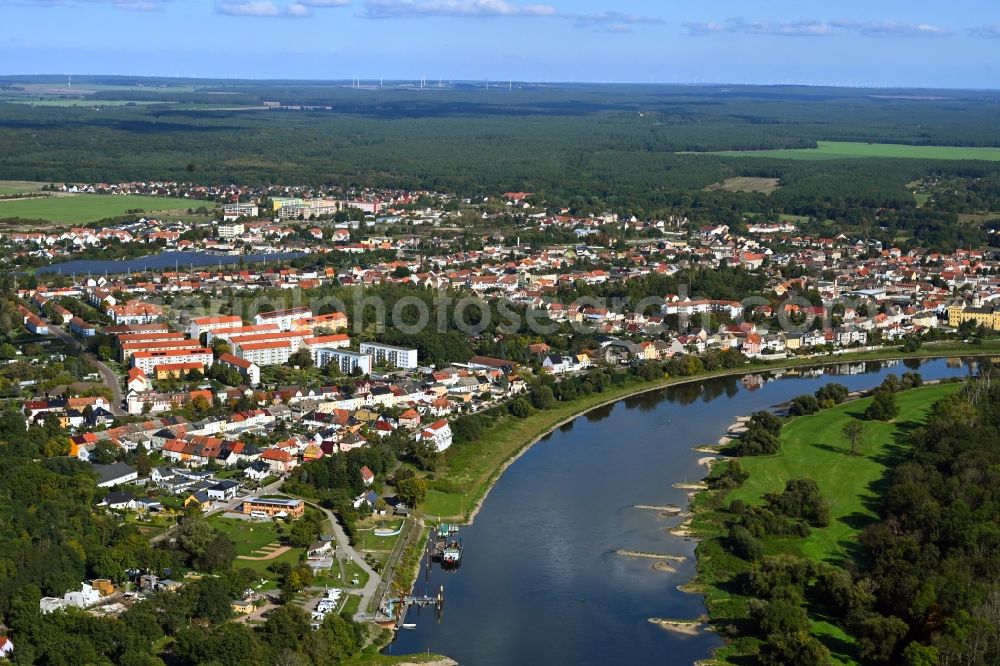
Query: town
(257, 396)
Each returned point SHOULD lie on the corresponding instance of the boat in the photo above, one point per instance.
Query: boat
(451, 557)
(409, 625)
(443, 542)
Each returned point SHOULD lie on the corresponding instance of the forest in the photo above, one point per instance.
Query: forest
(583, 147)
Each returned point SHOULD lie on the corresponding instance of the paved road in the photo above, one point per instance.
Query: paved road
(109, 376)
(345, 549)
(234, 505)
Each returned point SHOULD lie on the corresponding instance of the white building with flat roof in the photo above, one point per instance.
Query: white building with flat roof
(283, 318)
(347, 361)
(397, 357)
(236, 211)
(201, 325)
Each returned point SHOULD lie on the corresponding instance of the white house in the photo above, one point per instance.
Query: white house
(438, 432)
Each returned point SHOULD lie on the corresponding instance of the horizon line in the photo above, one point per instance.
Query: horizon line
(499, 82)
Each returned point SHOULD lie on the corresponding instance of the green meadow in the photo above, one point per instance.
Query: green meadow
(838, 150)
(811, 447)
(82, 208)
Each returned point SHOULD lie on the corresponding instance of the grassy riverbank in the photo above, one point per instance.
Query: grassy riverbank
(811, 447)
(469, 470)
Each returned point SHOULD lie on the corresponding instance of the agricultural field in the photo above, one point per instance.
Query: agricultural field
(83, 208)
(12, 187)
(837, 150)
(747, 184)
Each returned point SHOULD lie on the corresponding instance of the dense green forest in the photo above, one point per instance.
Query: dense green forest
(580, 146)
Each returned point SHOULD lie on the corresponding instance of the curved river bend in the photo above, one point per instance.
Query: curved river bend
(540, 581)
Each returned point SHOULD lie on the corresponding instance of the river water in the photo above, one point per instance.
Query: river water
(540, 581)
(159, 262)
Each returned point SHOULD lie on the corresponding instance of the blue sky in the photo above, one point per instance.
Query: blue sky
(875, 42)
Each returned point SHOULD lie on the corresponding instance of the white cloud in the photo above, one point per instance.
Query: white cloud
(472, 8)
(611, 21)
(607, 21)
(268, 9)
(816, 28)
(249, 8)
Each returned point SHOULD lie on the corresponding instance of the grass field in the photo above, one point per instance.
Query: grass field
(811, 447)
(815, 447)
(836, 150)
(249, 537)
(19, 186)
(82, 208)
(747, 184)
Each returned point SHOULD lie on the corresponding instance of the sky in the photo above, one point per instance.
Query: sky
(849, 42)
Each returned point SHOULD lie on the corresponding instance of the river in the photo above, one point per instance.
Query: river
(540, 581)
(158, 262)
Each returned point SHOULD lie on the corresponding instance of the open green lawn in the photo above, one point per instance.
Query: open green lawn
(834, 150)
(815, 447)
(82, 208)
(249, 537)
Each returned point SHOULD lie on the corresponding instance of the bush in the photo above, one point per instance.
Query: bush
(766, 420)
(794, 649)
(756, 441)
(883, 407)
(520, 408)
(803, 405)
(543, 398)
(779, 616)
(801, 499)
(832, 393)
(731, 476)
(743, 544)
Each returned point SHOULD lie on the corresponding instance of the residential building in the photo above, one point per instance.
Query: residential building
(274, 507)
(201, 325)
(115, 474)
(439, 433)
(249, 370)
(348, 361)
(148, 360)
(283, 318)
(397, 357)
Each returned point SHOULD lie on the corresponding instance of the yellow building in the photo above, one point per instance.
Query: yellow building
(242, 607)
(279, 202)
(988, 317)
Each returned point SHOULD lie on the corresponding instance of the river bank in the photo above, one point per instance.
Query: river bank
(499, 453)
(812, 447)
(550, 534)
